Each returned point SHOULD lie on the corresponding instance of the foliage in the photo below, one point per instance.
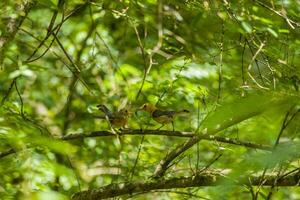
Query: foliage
(233, 65)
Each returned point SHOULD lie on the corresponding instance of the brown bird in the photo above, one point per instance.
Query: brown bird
(162, 116)
(117, 119)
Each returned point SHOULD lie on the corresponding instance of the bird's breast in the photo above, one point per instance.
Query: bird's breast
(118, 121)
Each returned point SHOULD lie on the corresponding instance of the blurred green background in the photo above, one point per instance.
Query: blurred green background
(210, 57)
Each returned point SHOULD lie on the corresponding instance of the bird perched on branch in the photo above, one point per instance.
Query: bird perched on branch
(162, 116)
(117, 119)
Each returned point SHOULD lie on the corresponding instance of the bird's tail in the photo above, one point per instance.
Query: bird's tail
(105, 110)
(182, 112)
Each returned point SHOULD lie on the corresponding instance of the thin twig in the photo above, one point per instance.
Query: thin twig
(75, 70)
(49, 32)
(155, 49)
(21, 100)
(285, 123)
(243, 73)
(72, 86)
(56, 28)
(289, 21)
(7, 94)
(250, 66)
(146, 68)
(221, 61)
(256, 62)
(210, 164)
(137, 158)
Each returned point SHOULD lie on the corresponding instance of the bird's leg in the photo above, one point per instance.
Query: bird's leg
(160, 127)
(110, 125)
(117, 133)
(173, 126)
(141, 129)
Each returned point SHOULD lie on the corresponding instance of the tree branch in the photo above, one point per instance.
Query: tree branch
(156, 133)
(169, 134)
(208, 179)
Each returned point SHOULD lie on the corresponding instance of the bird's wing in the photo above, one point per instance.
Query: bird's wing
(163, 116)
(161, 113)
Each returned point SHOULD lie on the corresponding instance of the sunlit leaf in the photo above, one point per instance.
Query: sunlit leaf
(242, 109)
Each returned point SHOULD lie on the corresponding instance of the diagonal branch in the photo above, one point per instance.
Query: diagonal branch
(181, 148)
(51, 29)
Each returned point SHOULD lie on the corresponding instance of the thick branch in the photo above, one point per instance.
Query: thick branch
(170, 134)
(114, 190)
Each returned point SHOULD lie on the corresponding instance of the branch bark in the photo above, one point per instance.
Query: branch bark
(169, 134)
(209, 179)
(183, 134)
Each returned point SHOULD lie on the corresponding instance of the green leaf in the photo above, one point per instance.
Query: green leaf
(247, 27)
(242, 109)
(55, 145)
(49, 3)
(47, 196)
(272, 32)
(284, 31)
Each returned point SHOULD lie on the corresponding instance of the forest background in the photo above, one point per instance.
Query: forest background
(233, 64)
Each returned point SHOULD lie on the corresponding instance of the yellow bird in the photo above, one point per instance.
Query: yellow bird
(162, 116)
(117, 119)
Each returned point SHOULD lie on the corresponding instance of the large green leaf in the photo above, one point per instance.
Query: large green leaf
(244, 108)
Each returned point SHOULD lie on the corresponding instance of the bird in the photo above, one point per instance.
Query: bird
(117, 119)
(162, 116)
